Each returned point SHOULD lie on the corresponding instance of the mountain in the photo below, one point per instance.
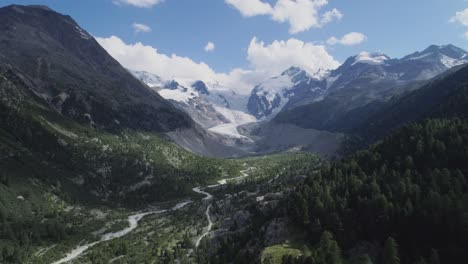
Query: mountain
(441, 57)
(65, 66)
(149, 79)
(367, 79)
(73, 117)
(215, 108)
(444, 97)
(283, 91)
(84, 186)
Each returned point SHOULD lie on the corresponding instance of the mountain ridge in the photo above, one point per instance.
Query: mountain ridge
(372, 71)
(107, 95)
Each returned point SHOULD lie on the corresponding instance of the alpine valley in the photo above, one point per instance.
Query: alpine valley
(365, 163)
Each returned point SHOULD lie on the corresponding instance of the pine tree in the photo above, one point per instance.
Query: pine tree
(390, 254)
(329, 250)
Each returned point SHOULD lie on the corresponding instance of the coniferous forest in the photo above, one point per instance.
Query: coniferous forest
(406, 194)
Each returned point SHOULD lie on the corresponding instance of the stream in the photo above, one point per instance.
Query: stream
(133, 224)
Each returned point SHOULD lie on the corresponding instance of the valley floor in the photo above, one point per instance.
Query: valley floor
(178, 233)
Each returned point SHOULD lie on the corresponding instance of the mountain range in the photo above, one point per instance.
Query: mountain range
(101, 164)
(333, 102)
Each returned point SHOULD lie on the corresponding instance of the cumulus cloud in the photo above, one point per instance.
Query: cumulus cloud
(141, 28)
(331, 15)
(210, 46)
(300, 14)
(350, 39)
(146, 58)
(280, 55)
(138, 3)
(250, 8)
(266, 61)
(461, 17)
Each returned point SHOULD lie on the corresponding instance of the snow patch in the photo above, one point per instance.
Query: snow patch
(370, 58)
(83, 33)
(451, 62)
(177, 95)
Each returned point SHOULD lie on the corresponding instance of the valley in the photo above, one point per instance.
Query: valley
(364, 163)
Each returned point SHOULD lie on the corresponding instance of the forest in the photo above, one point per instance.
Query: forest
(404, 200)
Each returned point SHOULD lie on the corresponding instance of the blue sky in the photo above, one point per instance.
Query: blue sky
(184, 27)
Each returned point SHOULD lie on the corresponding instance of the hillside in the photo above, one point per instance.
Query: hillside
(63, 64)
(408, 191)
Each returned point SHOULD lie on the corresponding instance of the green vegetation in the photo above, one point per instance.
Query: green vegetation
(275, 254)
(55, 174)
(412, 182)
(64, 183)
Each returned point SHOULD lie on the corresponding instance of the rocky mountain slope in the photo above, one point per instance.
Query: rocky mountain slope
(367, 79)
(65, 66)
(312, 105)
(68, 106)
(226, 130)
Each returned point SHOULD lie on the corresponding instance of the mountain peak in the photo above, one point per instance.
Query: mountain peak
(447, 55)
(40, 18)
(27, 8)
(42, 7)
(200, 87)
(374, 58)
(149, 79)
(63, 60)
(292, 71)
(437, 48)
(448, 50)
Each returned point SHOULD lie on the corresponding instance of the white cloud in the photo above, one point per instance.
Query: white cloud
(461, 17)
(280, 55)
(141, 28)
(465, 35)
(266, 61)
(250, 8)
(146, 58)
(210, 46)
(331, 15)
(300, 14)
(138, 3)
(349, 39)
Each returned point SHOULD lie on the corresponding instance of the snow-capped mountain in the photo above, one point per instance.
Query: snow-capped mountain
(149, 79)
(448, 55)
(367, 69)
(273, 95)
(370, 58)
(367, 80)
(361, 79)
(214, 107)
(365, 77)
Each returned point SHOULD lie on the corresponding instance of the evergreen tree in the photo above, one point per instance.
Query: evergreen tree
(390, 254)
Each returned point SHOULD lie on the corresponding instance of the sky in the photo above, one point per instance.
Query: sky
(239, 43)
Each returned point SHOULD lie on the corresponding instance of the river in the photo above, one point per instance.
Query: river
(133, 221)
